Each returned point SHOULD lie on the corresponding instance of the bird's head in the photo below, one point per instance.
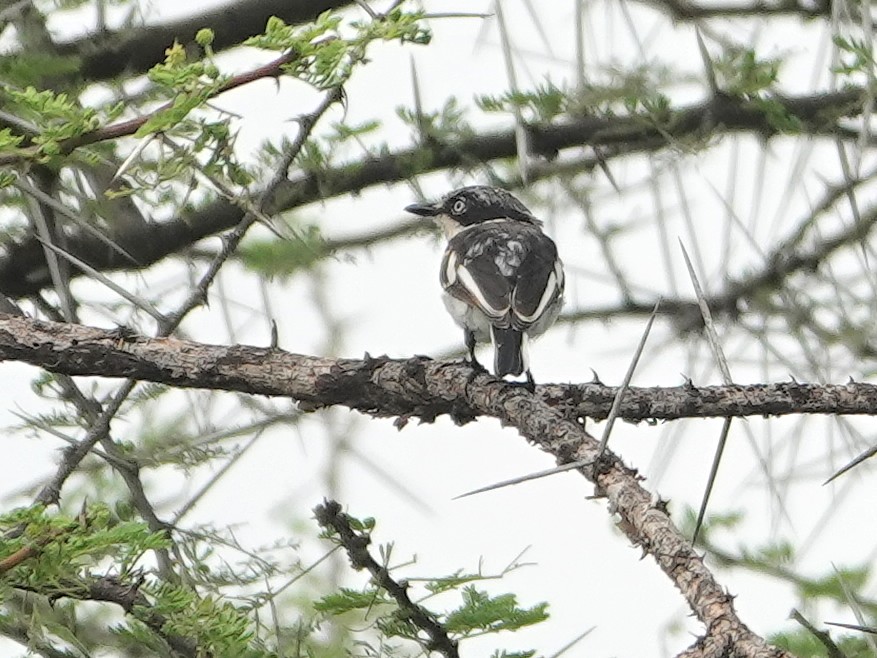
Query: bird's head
(473, 205)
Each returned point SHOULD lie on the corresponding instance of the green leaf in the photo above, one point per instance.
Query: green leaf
(832, 585)
(283, 258)
(345, 600)
(482, 612)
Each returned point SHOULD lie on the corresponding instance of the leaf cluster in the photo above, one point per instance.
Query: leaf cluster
(477, 612)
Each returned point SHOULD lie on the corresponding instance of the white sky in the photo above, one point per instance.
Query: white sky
(583, 566)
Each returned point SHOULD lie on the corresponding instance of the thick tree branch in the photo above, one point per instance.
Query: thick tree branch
(417, 387)
(414, 388)
(23, 270)
(136, 50)
(681, 10)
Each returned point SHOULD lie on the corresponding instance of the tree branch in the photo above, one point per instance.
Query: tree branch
(109, 54)
(680, 10)
(417, 387)
(128, 596)
(22, 267)
(99, 429)
(128, 127)
(414, 388)
(330, 516)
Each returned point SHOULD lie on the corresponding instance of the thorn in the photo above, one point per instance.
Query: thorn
(595, 378)
(525, 478)
(126, 164)
(601, 161)
(83, 513)
(707, 63)
(622, 390)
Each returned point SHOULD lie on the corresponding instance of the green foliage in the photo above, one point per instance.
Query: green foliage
(346, 600)
(778, 116)
(739, 72)
(204, 37)
(858, 56)
(325, 57)
(452, 582)
(34, 68)
(712, 523)
(803, 643)
(283, 258)
(481, 612)
(742, 74)
(543, 103)
(655, 106)
(66, 549)
(447, 124)
(9, 141)
(636, 92)
(216, 627)
(193, 84)
(832, 585)
(57, 116)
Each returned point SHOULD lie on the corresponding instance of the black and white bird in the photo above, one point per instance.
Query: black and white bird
(502, 278)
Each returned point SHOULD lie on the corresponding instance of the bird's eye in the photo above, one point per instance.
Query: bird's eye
(458, 207)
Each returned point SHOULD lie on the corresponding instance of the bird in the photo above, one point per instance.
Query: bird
(501, 275)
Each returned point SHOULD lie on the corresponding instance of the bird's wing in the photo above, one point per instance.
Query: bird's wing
(540, 281)
(478, 282)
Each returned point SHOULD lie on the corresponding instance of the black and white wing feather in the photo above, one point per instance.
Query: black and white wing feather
(510, 271)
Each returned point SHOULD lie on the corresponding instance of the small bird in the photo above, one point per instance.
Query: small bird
(502, 278)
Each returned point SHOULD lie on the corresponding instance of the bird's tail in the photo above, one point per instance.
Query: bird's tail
(509, 351)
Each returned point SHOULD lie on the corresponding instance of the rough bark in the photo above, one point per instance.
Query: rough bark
(416, 387)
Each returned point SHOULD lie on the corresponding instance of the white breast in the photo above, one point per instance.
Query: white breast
(468, 317)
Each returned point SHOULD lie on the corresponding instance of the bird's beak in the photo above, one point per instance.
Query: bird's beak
(423, 209)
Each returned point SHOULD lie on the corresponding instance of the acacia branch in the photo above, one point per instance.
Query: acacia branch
(681, 10)
(128, 127)
(22, 267)
(127, 595)
(383, 387)
(100, 428)
(135, 50)
(408, 388)
(330, 516)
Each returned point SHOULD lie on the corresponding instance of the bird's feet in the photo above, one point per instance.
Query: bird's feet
(477, 369)
(529, 385)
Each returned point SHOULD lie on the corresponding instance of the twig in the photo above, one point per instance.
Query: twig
(100, 429)
(126, 595)
(131, 126)
(330, 517)
(824, 638)
(139, 302)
